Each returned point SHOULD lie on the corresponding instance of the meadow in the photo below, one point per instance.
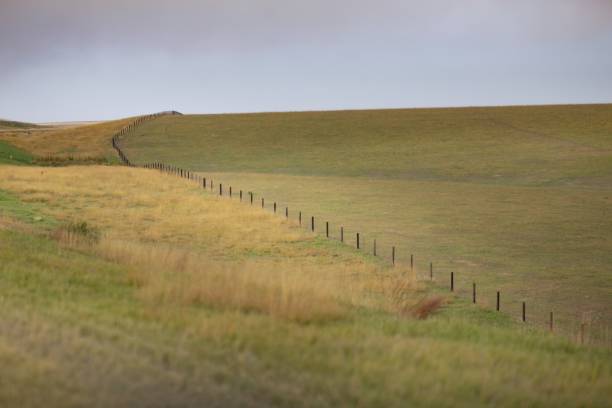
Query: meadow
(516, 199)
(179, 297)
(63, 143)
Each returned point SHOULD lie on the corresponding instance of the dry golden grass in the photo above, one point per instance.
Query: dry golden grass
(185, 246)
(91, 140)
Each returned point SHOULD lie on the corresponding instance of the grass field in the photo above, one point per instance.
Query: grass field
(177, 297)
(91, 142)
(516, 199)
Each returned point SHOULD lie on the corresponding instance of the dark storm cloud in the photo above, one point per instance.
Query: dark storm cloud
(326, 44)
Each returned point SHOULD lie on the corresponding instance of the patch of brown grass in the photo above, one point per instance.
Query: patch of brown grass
(427, 306)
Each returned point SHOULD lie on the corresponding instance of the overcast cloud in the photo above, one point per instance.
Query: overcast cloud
(85, 59)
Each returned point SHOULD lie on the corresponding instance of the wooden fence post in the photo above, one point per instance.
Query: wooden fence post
(357, 240)
(452, 281)
(287, 212)
(524, 312)
(474, 292)
(392, 255)
(551, 321)
(312, 223)
(374, 249)
(497, 303)
(431, 271)
(275, 207)
(327, 229)
(341, 234)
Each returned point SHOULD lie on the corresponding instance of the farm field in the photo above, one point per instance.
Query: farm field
(178, 297)
(516, 199)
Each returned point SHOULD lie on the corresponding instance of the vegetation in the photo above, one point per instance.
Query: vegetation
(11, 155)
(11, 124)
(68, 144)
(178, 297)
(516, 199)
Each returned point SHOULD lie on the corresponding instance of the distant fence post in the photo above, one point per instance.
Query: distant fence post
(392, 255)
(327, 229)
(262, 202)
(300, 218)
(287, 212)
(341, 234)
(431, 271)
(275, 207)
(497, 303)
(524, 312)
(312, 224)
(374, 249)
(357, 236)
(452, 281)
(551, 321)
(474, 292)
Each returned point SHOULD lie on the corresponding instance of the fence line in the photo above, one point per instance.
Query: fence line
(203, 182)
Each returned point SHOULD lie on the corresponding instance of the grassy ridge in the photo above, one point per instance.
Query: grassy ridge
(91, 142)
(517, 199)
(96, 322)
(11, 124)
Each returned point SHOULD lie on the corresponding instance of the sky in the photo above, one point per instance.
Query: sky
(65, 60)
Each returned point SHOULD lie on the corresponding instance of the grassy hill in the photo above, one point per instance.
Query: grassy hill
(178, 297)
(516, 199)
(11, 124)
(82, 142)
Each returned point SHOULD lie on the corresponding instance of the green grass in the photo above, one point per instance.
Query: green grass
(11, 155)
(516, 199)
(75, 330)
(28, 213)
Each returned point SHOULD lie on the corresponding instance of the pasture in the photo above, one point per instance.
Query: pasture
(517, 199)
(177, 296)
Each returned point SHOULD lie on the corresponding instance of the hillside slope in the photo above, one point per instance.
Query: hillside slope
(516, 199)
(178, 297)
(80, 141)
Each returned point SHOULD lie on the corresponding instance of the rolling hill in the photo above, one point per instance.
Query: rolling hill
(515, 199)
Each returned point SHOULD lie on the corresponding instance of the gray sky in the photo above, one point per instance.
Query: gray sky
(87, 60)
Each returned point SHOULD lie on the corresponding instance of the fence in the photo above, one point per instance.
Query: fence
(580, 335)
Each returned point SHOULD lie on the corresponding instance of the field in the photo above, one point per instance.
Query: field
(72, 142)
(516, 199)
(178, 297)
(130, 287)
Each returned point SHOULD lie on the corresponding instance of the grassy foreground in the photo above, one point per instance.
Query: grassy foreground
(516, 199)
(106, 277)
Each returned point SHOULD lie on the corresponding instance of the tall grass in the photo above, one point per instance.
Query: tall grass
(167, 275)
(185, 247)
